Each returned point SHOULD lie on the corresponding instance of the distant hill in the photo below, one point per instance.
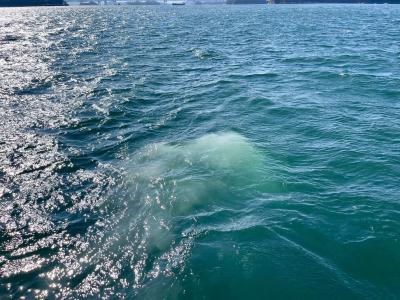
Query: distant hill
(6, 3)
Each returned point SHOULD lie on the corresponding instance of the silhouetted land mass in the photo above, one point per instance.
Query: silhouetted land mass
(7, 3)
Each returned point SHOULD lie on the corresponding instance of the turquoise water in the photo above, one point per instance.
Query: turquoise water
(200, 152)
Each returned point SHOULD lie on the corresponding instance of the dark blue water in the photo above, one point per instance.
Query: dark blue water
(200, 152)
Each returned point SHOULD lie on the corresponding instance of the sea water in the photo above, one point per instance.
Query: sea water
(200, 152)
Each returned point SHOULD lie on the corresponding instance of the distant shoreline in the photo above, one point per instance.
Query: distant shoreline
(27, 3)
(37, 3)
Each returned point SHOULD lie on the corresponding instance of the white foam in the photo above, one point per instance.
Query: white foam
(222, 151)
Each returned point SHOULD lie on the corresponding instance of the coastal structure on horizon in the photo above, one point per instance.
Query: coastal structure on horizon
(119, 2)
(98, 2)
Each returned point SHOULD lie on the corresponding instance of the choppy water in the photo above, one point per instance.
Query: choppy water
(200, 152)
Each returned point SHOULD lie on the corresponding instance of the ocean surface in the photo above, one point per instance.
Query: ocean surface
(200, 152)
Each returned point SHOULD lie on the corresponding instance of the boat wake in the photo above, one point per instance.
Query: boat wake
(166, 188)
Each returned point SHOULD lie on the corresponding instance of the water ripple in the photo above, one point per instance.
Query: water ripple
(165, 153)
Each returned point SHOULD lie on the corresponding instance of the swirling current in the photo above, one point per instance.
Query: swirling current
(200, 152)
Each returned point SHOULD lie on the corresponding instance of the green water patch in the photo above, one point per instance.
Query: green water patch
(169, 188)
(207, 170)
